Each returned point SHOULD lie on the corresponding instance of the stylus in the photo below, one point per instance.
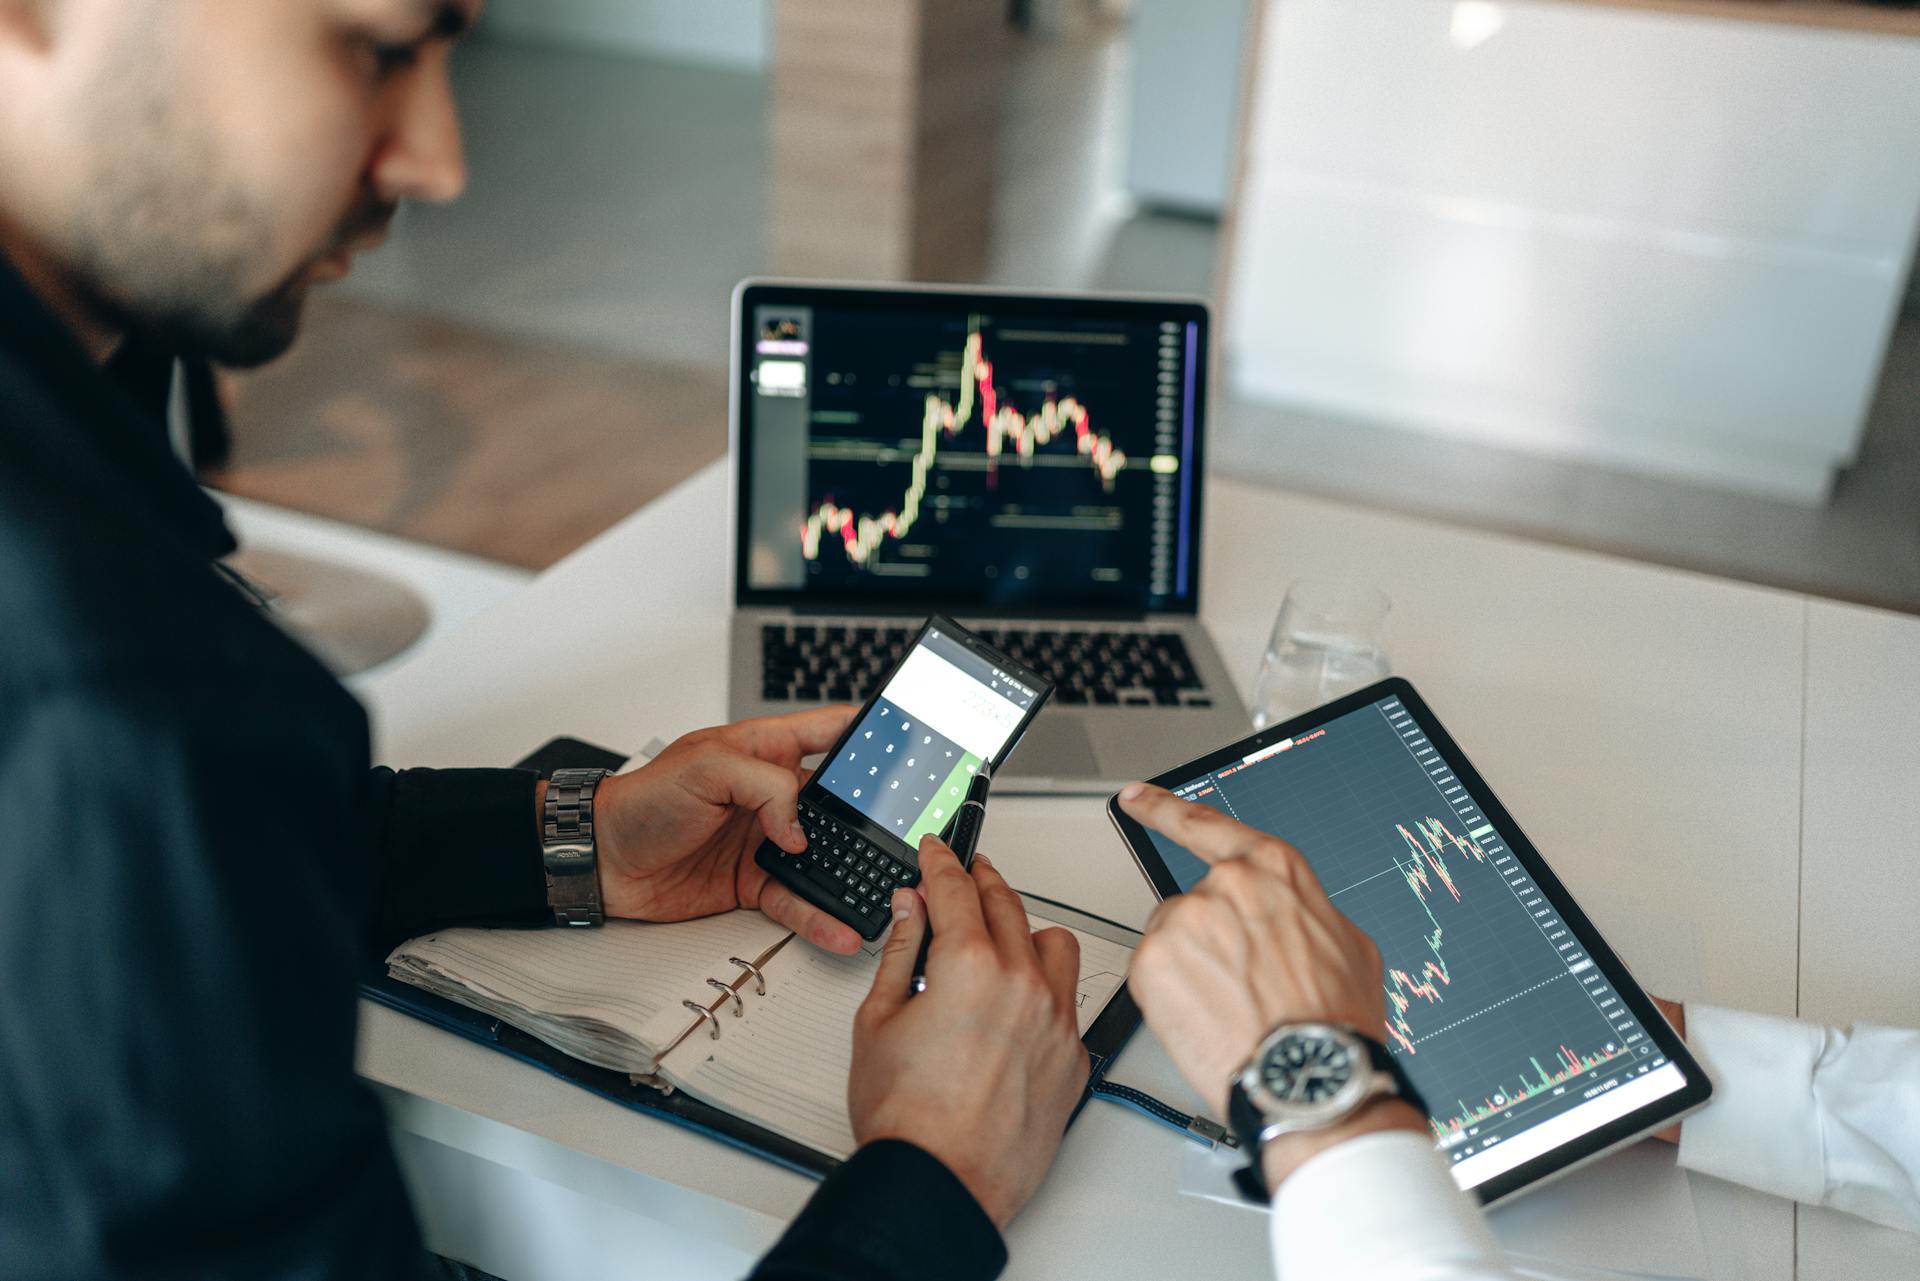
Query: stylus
(966, 834)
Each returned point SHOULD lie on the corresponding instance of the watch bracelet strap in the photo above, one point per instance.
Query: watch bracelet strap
(566, 826)
(1244, 1120)
(1247, 1123)
(1251, 1179)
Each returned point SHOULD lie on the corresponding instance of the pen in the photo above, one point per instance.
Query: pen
(966, 834)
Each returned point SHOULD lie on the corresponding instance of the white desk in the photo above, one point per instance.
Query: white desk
(1646, 727)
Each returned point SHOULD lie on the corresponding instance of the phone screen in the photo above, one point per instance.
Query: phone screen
(946, 711)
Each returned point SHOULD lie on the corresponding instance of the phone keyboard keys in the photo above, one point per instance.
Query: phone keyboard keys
(844, 873)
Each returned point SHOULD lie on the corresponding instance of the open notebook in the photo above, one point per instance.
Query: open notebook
(732, 1010)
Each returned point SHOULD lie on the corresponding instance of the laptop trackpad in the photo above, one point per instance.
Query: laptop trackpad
(1055, 746)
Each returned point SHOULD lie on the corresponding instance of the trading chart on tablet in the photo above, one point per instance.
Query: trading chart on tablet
(1501, 1019)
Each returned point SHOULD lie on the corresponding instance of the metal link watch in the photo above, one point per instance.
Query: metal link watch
(567, 847)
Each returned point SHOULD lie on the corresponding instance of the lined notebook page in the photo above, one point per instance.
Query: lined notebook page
(610, 996)
(784, 1065)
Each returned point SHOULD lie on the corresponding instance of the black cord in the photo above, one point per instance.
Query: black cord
(1197, 1128)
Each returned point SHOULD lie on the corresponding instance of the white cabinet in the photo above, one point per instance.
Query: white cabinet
(1667, 241)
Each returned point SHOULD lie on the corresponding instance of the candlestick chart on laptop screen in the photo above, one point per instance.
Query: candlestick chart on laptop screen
(944, 449)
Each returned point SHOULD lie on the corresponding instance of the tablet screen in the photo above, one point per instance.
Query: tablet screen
(1503, 1021)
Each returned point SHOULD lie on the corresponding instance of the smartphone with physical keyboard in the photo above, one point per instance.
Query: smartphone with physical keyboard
(951, 704)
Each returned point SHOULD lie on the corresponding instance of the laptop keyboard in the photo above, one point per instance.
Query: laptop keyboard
(839, 663)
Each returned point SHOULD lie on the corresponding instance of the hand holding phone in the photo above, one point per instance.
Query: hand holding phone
(951, 707)
(677, 836)
(962, 838)
(984, 1070)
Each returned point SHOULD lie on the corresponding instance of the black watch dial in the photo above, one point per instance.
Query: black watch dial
(1305, 1068)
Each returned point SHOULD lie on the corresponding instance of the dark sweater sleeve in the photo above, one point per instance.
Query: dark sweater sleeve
(177, 988)
(891, 1212)
(453, 847)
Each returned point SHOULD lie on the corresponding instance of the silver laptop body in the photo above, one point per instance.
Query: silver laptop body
(1029, 464)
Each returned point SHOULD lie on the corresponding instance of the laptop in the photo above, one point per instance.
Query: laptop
(1029, 464)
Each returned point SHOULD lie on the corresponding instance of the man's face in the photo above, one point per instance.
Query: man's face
(192, 167)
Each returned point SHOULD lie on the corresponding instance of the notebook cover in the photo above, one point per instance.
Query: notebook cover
(678, 1107)
(1104, 1039)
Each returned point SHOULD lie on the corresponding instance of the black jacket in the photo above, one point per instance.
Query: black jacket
(196, 863)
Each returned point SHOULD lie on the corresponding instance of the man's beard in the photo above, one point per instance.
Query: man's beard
(260, 333)
(207, 322)
(171, 237)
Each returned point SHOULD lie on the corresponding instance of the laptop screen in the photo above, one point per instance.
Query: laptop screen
(984, 453)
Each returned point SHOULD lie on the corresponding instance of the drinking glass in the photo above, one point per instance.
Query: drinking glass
(1325, 643)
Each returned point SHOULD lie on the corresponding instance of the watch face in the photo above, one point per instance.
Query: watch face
(1305, 1067)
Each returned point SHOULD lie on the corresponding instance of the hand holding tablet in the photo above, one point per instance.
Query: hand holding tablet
(1533, 1047)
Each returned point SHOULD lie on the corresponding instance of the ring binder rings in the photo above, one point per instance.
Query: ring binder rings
(759, 979)
(705, 1014)
(739, 1006)
(730, 991)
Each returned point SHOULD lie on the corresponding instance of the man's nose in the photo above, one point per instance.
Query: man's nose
(422, 159)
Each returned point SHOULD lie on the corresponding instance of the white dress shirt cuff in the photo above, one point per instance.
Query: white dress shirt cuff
(1384, 1207)
(1761, 1128)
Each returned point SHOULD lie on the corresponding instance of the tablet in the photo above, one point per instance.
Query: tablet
(1534, 1048)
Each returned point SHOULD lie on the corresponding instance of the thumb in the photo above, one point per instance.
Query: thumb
(770, 791)
(892, 979)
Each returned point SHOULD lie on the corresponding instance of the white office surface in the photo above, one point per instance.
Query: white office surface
(1667, 241)
(1860, 873)
(1644, 726)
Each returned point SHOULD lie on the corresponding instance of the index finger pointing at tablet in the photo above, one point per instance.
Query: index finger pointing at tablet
(1205, 831)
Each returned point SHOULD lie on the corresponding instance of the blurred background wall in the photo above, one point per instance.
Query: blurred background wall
(1635, 276)
(724, 33)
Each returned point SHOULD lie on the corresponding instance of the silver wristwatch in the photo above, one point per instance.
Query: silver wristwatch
(566, 844)
(1306, 1076)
